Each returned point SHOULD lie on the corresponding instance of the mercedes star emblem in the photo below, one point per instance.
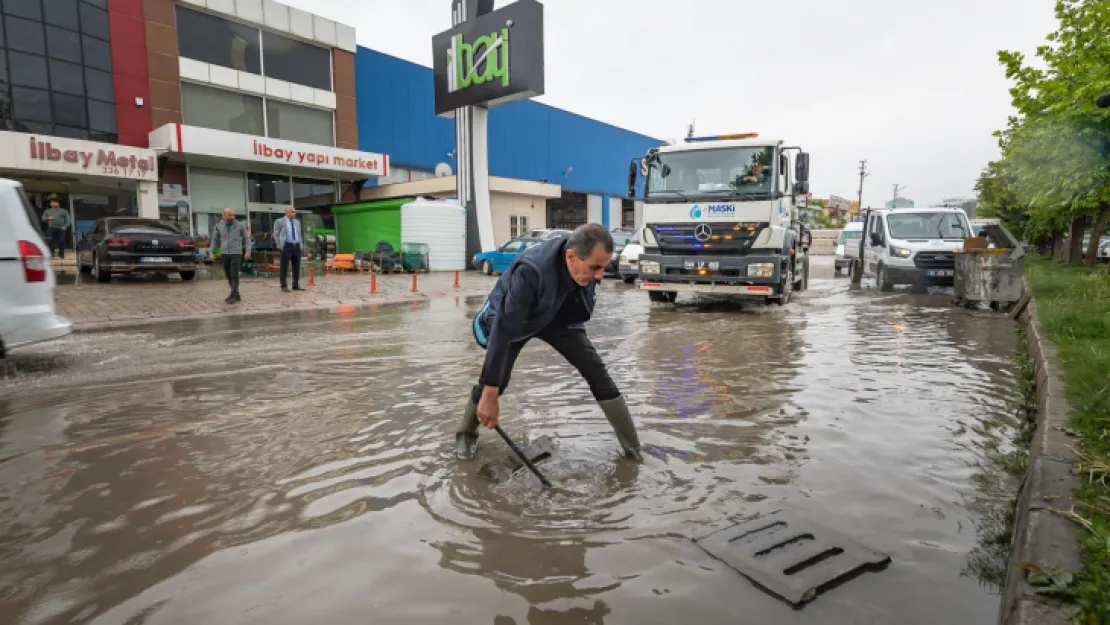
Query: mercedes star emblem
(702, 232)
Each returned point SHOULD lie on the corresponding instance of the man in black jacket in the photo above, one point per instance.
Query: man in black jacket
(547, 293)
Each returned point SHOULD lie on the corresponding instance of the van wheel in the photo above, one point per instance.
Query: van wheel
(188, 275)
(883, 281)
(628, 279)
(662, 297)
(98, 273)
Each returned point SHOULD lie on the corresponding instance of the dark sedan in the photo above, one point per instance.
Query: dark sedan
(117, 245)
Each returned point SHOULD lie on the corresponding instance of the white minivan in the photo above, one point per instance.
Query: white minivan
(913, 246)
(847, 245)
(26, 279)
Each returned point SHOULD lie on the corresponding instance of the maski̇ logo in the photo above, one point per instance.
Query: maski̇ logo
(695, 212)
(492, 62)
(721, 209)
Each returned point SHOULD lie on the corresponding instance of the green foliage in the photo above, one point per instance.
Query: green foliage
(1055, 164)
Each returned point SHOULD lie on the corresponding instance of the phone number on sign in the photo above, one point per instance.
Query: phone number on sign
(130, 172)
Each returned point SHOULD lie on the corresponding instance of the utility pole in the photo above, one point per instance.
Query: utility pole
(862, 174)
(690, 131)
(897, 188)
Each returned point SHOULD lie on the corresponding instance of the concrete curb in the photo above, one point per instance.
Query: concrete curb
(1041, 536)
(95, 326)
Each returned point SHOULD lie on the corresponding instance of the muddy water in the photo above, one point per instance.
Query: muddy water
(298, 469)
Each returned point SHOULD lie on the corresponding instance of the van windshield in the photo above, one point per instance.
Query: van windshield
(928, 226)
(850, 235)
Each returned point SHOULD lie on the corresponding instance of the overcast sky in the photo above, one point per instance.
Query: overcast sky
(913, 87)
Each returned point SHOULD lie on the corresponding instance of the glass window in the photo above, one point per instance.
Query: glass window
(67, 78)
(308, 192)
(103, 137)
(30, 9)
(296, 62)
(211, 191)
(102, 116)
(3, 75)
(97, 3)
(211, 39)
(72, 133)
(41, 128)
(267, 189)
(32, 105)
(97, 53)
(94, 21)
(221, 110)
(718, 173)
(24, 35)
(70, 110)
(299, 123)
(61, 13)
(99, 85)
(28, 70)
(63, 44)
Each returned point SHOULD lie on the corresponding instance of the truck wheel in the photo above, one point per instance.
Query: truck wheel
(787, 287)
(883, 281)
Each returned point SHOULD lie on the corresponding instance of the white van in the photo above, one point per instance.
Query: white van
(26, 279)
(913, 246)
(847, 245)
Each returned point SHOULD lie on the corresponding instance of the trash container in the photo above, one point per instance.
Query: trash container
(414, 257)
(989, 270)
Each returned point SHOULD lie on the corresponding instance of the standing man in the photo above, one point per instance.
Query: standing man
(547, 293)
(287, 235)
(57, 221)
(230, 236)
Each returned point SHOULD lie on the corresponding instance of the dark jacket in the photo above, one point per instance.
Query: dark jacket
(526, 299)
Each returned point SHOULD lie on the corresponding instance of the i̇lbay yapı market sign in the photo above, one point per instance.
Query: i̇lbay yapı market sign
(494, 59)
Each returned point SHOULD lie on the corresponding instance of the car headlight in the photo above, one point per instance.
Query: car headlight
(649, 266)
(622, 259)
(761, 270)
(900, 252)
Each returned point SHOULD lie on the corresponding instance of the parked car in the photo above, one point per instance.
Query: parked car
(847, 245)
(621, 238)
(628, 263)
(116, 245)
(26, 278)
(1103, 255)
(498, 260)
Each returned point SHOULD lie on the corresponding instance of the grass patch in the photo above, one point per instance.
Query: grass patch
(1073, 305)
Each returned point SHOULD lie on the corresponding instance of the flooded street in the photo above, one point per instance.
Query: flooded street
(298, 468)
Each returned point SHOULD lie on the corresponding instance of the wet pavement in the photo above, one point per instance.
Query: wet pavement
(297, 468)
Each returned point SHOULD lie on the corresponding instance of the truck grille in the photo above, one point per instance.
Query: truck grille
(935, 260)
(707, 237)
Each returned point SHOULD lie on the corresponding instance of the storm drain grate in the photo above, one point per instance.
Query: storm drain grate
(502, 470)
(790, 557)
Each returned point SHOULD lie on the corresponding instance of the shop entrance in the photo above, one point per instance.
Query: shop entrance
(86, 201)
(567, 212)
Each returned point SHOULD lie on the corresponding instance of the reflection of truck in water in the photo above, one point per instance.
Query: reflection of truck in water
(721, 218)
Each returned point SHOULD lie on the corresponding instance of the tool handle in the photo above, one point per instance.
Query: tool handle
(520, 454)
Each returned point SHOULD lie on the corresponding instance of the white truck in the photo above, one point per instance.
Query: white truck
(721, 217)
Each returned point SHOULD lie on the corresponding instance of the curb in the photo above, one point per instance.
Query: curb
(95, 326)
(1041, 536)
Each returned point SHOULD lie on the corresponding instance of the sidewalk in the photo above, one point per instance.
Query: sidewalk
(130, 301)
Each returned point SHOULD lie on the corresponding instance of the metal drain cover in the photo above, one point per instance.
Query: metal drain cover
(790, 557)
(502, 470)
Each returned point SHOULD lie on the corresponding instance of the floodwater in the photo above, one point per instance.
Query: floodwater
(298, 469)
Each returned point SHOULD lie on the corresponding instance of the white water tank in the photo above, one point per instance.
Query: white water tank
(441, 225)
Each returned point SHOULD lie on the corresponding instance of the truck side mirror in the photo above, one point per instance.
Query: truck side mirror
(801, 188)
(633, 167)
(801, 167)
(876, 239)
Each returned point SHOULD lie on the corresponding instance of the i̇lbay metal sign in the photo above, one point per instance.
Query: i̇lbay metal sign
(494, 59)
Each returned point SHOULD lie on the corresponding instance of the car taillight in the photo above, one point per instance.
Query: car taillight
(185, 243)
(117, 242)
(34, 263)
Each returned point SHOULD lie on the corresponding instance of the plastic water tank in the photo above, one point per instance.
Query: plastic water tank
(441, 224)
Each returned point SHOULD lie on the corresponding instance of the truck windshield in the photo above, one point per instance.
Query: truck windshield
(720, 172)
(928, 226)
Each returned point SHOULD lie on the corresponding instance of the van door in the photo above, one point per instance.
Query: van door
(870, 258)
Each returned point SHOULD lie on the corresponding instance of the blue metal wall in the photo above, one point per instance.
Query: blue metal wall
(527, 140)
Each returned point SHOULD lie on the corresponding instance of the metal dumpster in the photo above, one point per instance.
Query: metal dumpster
(991, 275)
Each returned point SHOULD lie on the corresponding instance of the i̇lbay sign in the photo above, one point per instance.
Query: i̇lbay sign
(494, 59)
(60, 155)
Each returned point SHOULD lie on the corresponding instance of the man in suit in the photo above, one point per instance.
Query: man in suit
(230, 237)
(289, 236)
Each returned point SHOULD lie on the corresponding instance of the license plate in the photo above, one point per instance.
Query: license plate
(687, 264)
(939, 273)
(155, 259)
(714, 265)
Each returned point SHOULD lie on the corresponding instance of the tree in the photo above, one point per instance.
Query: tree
(1055, 169)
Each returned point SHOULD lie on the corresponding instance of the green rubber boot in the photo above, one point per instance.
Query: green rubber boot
(466, 438)
(616, 411)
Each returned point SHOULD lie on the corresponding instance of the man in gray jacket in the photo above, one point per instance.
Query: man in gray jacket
(230, 237)
(57, 221)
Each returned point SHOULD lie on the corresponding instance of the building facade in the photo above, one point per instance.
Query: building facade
(582, 161)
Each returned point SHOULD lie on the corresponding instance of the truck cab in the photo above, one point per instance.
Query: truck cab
(721, 217)
(914, 246)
